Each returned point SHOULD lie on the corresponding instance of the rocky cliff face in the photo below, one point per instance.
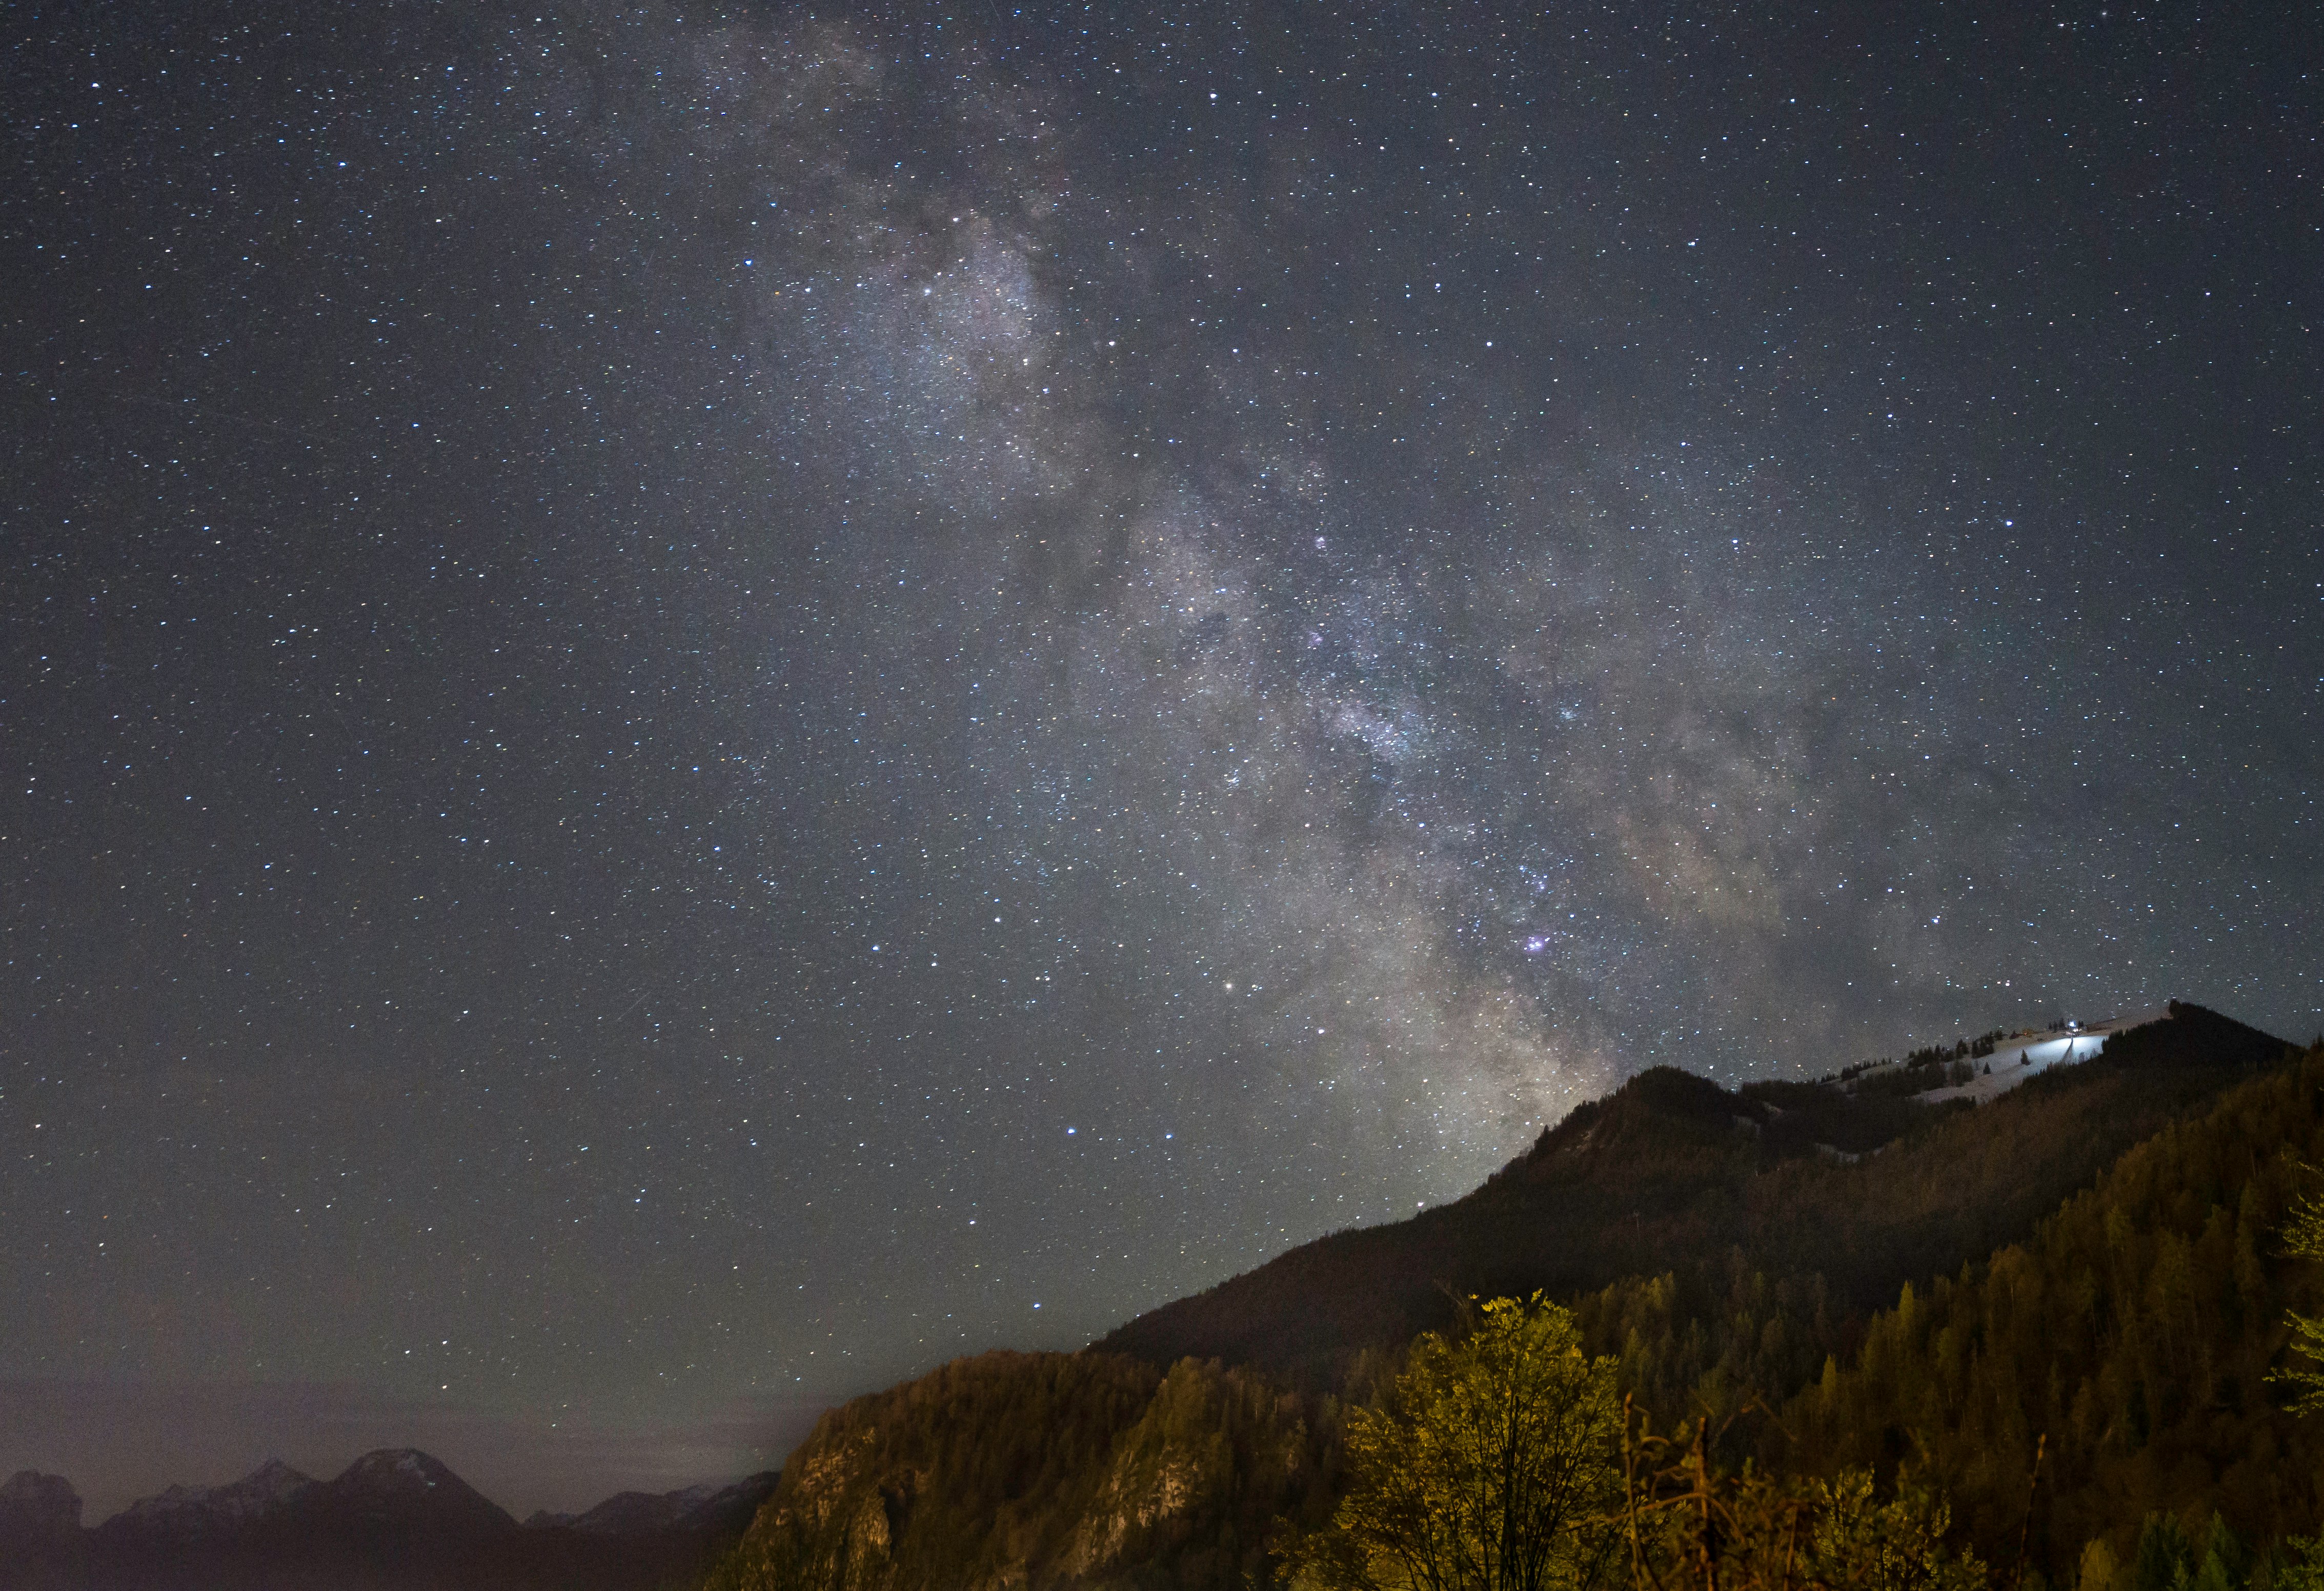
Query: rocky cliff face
(1197, 1443)
(1016, 1472)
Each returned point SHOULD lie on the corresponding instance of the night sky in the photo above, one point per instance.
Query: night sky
(700, 706)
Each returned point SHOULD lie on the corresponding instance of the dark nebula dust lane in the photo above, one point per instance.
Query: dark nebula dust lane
(702, 704)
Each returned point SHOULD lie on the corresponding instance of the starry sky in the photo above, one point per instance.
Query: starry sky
(703, 704)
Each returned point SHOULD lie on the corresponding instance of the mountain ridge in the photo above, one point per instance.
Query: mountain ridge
(392, 1519)
(1673, 1164)
(1015, 1472)
(1725, 1243)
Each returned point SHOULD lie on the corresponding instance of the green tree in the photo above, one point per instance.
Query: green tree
(2301, 1566)
(2227, 1561)
(2303, 1238)
(2164, 1556)
(1489, 1466)
(1864, 1545)
(1692, 1527)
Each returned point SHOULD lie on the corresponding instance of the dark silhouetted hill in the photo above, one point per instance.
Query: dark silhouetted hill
(715, 1509)
(43, 1546)
(1671, 1173)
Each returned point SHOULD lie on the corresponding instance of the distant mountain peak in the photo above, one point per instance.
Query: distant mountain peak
(406, 1483)
(33, 1504)
(275, 1475)
(395, 1520)
(397, 1469)
(642, 1512)
(187, 1510)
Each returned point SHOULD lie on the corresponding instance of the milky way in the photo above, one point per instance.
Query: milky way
(708, 705)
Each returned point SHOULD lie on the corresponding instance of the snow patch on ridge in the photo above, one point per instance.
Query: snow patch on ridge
(2022, 1056)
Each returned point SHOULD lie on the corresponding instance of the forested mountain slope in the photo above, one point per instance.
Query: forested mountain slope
(1101, 1468)
(1038, 1470)
(2136, 1330)
(1674, 1174)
